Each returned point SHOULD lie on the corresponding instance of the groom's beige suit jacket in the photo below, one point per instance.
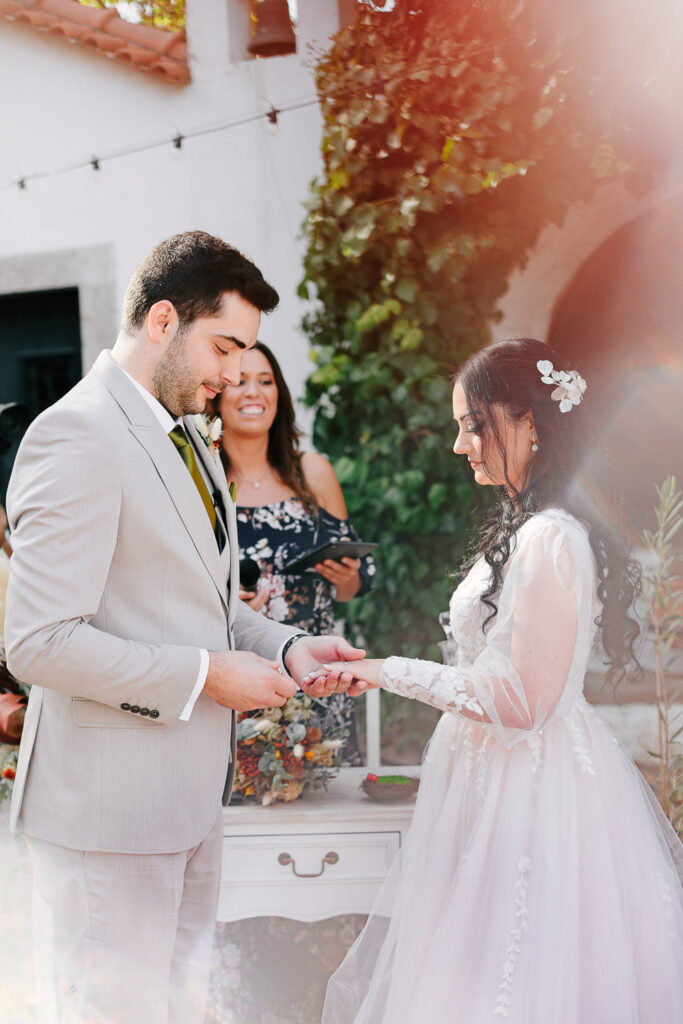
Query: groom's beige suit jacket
(116, 583)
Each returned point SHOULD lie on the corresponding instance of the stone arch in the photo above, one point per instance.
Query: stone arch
(620, 320)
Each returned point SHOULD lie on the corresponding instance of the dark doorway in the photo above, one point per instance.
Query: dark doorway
(40, 354)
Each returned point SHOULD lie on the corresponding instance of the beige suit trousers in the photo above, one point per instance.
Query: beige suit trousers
(124, 938)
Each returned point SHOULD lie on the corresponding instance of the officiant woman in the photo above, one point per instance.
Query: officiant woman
(288, 502)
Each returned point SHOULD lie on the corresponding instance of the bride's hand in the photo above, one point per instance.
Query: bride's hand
(328, 680)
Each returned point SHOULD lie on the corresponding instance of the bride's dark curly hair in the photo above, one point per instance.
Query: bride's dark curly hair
(568, 471)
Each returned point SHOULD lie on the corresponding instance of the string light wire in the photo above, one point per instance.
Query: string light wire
(271, 114)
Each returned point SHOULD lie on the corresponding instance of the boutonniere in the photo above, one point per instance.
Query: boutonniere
(210, 431)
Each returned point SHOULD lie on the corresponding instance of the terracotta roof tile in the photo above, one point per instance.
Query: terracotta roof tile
(146, 48)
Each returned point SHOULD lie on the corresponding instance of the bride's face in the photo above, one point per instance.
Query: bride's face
(487, 459)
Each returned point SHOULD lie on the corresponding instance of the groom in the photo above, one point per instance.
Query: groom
(123, 614)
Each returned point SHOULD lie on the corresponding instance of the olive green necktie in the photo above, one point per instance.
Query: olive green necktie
(182, 443)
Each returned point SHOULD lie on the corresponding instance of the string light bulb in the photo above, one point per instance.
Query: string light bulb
(177, 146)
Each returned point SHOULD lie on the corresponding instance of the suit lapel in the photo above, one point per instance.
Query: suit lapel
(170, 467)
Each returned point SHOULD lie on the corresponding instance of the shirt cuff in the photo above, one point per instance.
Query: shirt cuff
(198, 686)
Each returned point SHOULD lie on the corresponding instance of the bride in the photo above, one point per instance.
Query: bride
(540, 883)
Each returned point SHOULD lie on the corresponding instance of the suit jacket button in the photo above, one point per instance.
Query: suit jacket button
(125, 707)
(135, 709)
(154, 714)
(144, 711)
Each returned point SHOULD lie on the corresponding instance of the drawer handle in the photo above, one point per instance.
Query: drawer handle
(329, 858)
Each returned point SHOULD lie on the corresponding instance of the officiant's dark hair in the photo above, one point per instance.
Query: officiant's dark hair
(193, 270)
(569, 470)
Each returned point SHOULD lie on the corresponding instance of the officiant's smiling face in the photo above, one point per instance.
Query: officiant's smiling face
(249, 408)
(199, 359)
(493, 463)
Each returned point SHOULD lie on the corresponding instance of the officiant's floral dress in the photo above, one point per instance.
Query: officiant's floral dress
(540, 883)
(275, 535)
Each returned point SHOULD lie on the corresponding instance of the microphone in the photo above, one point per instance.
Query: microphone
(249, 573)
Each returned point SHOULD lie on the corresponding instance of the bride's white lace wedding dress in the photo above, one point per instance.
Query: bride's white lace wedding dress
(540, 882)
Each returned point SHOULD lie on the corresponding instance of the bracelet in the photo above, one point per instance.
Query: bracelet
(288, 644)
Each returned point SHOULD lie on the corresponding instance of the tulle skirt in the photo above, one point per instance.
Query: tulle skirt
(540, 884)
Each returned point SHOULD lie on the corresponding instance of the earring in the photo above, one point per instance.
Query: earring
(534, 446)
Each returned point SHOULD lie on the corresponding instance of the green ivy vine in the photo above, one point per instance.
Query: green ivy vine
(453, 134)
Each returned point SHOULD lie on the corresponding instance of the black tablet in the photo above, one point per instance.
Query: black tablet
(336, 550)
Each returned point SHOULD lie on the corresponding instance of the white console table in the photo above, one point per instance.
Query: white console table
(322, 855)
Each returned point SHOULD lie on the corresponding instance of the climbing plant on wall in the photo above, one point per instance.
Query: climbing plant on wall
(167, 14)
(453, 134)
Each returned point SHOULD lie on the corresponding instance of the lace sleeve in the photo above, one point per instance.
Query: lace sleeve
(442, 686)
(536, 647)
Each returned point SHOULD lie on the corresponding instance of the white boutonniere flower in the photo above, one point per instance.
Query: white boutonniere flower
(210, 431)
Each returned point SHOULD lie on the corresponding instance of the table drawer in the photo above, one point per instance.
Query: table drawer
(261, 859)
(305, 876)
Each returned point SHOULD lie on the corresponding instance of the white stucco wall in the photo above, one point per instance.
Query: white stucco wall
(69, 103)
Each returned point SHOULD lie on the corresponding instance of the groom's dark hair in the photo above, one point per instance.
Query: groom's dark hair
(193, 271)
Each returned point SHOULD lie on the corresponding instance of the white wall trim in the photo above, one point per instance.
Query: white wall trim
(89, 269)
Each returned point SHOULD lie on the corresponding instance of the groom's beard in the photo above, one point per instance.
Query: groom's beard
(175, 384)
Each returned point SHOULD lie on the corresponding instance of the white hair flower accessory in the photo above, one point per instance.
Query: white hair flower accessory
(570, 384)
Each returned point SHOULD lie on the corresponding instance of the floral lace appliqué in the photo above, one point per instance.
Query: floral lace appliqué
(441, 686)
(504, 999)
(535, 745)
(467, 614)
(482, 764)
(468, 751)
(578, 735)
(667, 904)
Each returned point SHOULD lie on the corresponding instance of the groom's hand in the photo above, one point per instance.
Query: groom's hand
(244, 681)
(307, 656)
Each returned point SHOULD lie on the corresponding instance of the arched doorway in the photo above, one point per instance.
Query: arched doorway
(620, 320)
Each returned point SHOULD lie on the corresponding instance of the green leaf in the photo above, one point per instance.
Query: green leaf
(411, 339)
(542, 116)
(447, 147)
(345, 469)
(339, 179)
(376, 315)
(437, 495)
(406, 289)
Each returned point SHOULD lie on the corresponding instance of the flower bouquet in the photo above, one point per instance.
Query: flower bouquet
(280, 751)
